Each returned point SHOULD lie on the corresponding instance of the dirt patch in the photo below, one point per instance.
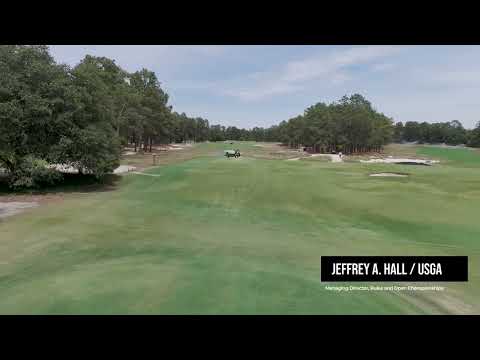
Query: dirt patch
(388, 174)
(37, 198)
(15, 207)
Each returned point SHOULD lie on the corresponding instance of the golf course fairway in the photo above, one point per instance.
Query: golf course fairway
(217, 235)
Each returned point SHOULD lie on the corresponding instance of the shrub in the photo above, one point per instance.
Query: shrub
(33, 173)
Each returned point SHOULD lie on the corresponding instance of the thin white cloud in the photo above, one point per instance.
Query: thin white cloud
(458, 77)
(294, 75)
(263, 91)
(425, 83)
(134, 57)
(382, 67)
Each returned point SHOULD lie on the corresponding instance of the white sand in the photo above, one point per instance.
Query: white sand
(123, 169)
(333, 157)
(389, 175)
(71, 170)
(391, 160)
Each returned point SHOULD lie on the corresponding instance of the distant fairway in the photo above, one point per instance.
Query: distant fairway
(213, 235)
(456, 157)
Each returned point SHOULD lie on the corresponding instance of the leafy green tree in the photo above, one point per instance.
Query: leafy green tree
(152, 121)
(349, 125)
(456, 133)
(452, 133)
(217, 133)
(52, 114)
(37, 105)
(474, 136)
(91, 143)
(398, 130)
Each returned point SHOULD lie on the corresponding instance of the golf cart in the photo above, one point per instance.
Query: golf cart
(232, 153)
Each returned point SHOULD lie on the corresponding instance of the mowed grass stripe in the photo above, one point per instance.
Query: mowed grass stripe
(217, 235)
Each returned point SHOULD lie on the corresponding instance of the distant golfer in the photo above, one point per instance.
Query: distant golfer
(340, 154)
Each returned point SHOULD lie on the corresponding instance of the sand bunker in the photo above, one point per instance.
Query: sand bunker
(123, 169)
(176, 146)
(14, 207)
(71, 170)
(386, 174)
(392, 160)
(163, 147)
(333, 157)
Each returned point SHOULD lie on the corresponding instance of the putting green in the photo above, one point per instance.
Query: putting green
(240, 236)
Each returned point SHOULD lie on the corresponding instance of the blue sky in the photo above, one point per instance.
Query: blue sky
(248, 86)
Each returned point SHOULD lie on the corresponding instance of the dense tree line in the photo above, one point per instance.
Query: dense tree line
(473, 137)
(350, 125)
(81, 117)
(50, 113)
(222, 133)
(451, 133)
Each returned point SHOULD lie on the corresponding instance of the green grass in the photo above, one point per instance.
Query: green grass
(240, 236)
(455, 157)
